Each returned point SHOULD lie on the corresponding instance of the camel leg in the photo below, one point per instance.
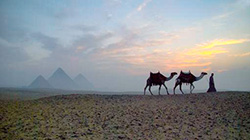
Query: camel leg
(166, 88)
(176, 84)
(145, 89)
(181, 89)
(150, 90)
(159, 90)
(192, 88)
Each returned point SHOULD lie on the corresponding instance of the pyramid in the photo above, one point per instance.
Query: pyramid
(60, 80)
(40, 82)
(83, 83)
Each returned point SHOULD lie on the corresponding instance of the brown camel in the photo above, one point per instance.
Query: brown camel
(158, 79)
(187, 78)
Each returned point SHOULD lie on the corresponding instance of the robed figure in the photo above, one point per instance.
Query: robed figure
(211, 84)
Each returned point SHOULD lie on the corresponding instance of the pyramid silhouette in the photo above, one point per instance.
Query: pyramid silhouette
(61, 80)
(83, 83)
(40, 82)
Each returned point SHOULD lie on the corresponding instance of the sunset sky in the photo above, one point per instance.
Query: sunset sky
(116, 43)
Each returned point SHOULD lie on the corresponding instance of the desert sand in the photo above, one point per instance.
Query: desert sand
(224, 115)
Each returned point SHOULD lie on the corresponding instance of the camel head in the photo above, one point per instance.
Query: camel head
(171, 76)
(173, 73)
(204, 73)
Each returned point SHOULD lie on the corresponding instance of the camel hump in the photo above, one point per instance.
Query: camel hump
(155, 74)
(156, 78)
(186, 75)
(186, 72)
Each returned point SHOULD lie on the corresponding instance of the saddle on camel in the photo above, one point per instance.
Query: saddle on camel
(186, 77)
(157, 78)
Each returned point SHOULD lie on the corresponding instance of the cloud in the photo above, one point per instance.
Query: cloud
(222, 70)
(161, 41)
(222, 42)
(64, 13)
(109, 16)
(89, 42)
(113, 2)
(223, 16)
(213, 48)
(241, 55)
(49, 43)
(11, 54)
(84, 28)
(194, 65)
(154, 53)
(36, 53)
(49, 51)
(205, 53)
(243, 3)
(11, 29)
(147, 52)
(143, 5)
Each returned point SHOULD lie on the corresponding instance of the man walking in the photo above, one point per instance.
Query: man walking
(211, 84)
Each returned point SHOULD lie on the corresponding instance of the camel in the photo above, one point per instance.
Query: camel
(188, 78)
(158, 79)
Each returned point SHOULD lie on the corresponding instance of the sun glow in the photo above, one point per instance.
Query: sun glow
(200, 56)
(206, 53)
(221, 42)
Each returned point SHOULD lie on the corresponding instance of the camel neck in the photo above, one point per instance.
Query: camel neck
(199, 78)
(170, 77)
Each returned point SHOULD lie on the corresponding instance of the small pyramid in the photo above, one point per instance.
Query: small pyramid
(40, 82)
(83, 82)
(61, 80)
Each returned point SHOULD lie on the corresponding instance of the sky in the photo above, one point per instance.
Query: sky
(116, 43)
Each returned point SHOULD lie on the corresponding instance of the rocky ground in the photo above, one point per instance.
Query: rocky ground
(191, 116)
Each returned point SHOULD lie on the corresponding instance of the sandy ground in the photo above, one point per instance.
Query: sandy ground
(191, 116)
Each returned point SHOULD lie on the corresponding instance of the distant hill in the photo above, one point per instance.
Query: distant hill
(40, 82)
(60, 80)
(83, 83)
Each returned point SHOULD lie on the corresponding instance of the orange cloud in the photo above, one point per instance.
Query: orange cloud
(222, 42)
(223, 70)
(190, 61)
(153, 55)
(134, 60)
(241, 55)
(205, 53)
(195, 64)
(214, 47)
(206, 69)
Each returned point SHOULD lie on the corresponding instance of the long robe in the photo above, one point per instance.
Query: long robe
(211, 85)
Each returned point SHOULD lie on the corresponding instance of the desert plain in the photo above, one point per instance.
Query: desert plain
(222, 115)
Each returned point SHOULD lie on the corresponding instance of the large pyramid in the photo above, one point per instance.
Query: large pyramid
(40, 82)
(83, 83)
(60, 80)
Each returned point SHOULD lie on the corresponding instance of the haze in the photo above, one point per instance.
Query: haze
(116, 43)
